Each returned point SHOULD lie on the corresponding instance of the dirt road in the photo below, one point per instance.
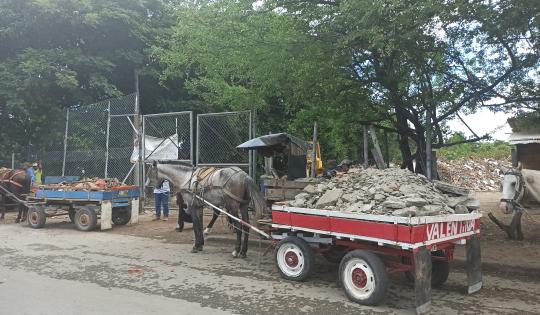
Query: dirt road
(146, 268)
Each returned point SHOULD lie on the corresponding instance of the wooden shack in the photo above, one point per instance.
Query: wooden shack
(526, 147)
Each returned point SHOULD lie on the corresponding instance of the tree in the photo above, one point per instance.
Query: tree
(429, 59)
(58, 53)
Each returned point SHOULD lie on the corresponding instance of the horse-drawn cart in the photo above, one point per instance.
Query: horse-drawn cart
(369, 247)
(117, 205)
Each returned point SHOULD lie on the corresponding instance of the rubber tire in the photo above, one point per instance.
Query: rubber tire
(121, 216)
(440, 270)
(379, 273)
(307, 253)
(91, 213)
(335, 254)
(40, 211)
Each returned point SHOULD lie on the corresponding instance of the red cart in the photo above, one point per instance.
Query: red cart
(369, 247)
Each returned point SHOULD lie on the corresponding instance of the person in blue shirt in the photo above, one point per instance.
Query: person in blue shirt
(30, 172)
(161, 197)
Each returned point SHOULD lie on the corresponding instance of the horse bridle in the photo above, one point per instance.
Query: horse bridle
(519, 190)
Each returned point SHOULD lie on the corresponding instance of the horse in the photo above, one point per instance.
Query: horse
(18, 183)
(229, 188)
(184, 217)
(518, 186)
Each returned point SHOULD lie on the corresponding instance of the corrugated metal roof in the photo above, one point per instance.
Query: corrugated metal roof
(524, 138)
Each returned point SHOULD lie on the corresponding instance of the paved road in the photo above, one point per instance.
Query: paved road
(63, 271)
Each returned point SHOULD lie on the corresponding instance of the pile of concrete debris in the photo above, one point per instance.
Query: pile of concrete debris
(475, 174)
(392, 191)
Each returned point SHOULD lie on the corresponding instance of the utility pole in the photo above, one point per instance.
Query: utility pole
(137, 141)
(429, 163)
(314, 153)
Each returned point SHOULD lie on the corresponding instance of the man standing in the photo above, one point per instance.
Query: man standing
(37, 173)
(161, 196)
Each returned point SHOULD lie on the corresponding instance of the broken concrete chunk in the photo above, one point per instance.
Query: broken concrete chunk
(461, 209)
(329, 198)
(394, 204)
(406, 212)
(310, 189)
(416, 202)
(451, 189)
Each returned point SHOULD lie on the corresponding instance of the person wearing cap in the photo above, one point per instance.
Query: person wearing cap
(161, 197)
(38, 173)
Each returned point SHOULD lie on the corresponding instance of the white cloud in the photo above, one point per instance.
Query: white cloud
(484, 122)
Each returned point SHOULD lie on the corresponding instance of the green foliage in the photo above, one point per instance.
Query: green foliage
(499, 150)
(58, 53)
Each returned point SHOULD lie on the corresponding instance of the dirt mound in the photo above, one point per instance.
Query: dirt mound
(474, 174)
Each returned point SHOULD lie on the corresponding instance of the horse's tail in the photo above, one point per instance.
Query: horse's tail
(259, 203)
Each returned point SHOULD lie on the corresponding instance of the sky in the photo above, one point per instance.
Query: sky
(482, 122)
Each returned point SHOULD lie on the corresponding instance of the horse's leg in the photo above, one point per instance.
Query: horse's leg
(180, 224)
(2, 208)
(197, 229)
(245, 231)
(24, 213)
(19, 214)
(208, 229)
(238, 228)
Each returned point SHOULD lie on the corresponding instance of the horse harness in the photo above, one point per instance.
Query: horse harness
(6, 178)
(198, 176)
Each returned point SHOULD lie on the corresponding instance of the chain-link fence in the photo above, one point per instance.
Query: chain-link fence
(168, 136)
(218, 135)
(98, 141)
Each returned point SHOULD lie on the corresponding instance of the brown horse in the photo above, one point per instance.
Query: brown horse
(18, 183)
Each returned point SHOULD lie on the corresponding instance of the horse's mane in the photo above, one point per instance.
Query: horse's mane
(174, 162)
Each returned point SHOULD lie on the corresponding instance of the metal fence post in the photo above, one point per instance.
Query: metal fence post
(192, 138)
(198, 142)
(13, 160)
(65, 144)
(107, 140)
(250, 156)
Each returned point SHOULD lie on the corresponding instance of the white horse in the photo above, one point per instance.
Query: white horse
(518, 187)
(229, 188)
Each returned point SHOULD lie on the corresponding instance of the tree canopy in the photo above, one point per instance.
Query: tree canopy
(406, 66)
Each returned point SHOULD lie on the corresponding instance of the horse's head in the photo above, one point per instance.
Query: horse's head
(512, 190)
(152, 177)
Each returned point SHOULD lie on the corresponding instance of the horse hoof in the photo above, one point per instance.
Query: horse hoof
(194, 250)
(235, 254)
(17, 220)
(207, 231)
(243, 255)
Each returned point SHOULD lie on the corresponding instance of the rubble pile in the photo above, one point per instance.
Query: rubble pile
(93, 184)
(392, 191)
(474, 174)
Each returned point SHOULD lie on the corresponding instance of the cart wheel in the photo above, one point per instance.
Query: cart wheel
(121, 216)
(86, 219)
(294, 258)
(440, 269)
(363, 277)
(36, 217)
(335, 254)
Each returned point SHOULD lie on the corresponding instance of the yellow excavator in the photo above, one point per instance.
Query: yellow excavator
(318, 159)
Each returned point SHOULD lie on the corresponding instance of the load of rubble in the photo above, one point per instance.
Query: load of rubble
(91, 184)
(391, 191)
(475, 174)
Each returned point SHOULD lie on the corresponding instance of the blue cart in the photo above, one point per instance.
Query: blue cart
(118, 206)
